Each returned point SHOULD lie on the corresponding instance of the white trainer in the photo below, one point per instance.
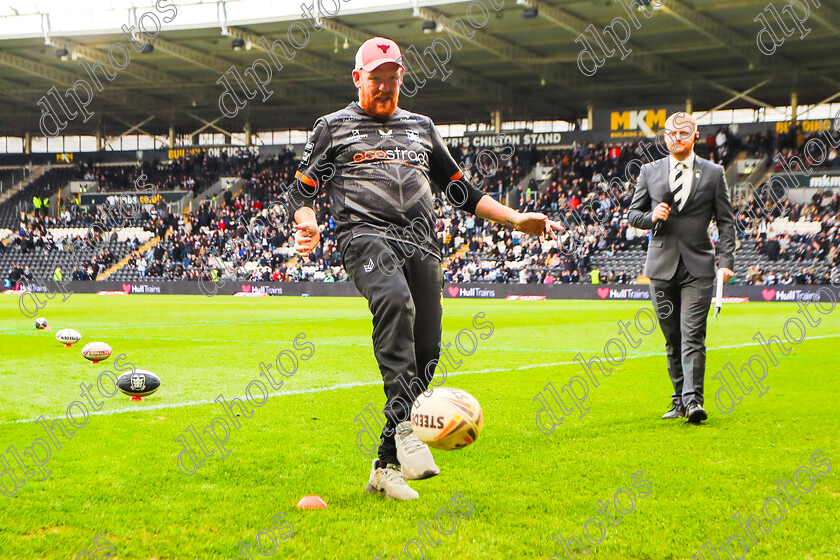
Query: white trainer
(414, 455)
(388, 481)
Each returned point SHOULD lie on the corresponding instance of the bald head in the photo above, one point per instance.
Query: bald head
(680, 134)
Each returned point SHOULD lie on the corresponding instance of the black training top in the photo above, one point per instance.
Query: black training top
(380, 176)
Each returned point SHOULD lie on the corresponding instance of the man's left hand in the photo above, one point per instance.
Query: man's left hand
(727, 274)
(536, 223)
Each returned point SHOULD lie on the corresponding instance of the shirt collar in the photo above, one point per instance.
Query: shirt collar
(688, 162)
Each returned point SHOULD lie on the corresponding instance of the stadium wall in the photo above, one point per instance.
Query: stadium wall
(733, 294)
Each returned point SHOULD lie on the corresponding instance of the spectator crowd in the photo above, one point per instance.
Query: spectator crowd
(585, 187)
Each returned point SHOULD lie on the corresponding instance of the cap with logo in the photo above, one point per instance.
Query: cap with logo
(377, 51)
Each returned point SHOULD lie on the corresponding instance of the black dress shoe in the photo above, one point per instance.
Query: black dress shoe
(695, 414)
(676, 411)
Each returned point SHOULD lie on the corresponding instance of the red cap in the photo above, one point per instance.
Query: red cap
(377, 51)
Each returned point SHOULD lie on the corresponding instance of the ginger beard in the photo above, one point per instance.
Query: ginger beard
(379, 101)
(379, 106)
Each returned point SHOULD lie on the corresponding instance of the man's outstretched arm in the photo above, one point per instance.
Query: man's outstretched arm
(532, 223)
(464, 196)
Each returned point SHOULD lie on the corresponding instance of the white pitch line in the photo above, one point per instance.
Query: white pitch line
(330, 343)
(378, 382)
(335, 343)
(28, 330)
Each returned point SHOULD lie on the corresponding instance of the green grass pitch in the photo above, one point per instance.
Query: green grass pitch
(118, 477)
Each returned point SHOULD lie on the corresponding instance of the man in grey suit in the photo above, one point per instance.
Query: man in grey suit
(677, 196)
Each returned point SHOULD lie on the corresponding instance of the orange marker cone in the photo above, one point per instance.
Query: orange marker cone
(135, 398)
(312, 502)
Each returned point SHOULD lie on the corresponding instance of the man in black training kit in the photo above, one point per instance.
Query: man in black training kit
(380, 163)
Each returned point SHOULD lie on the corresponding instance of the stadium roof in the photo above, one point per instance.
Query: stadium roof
(524, 67)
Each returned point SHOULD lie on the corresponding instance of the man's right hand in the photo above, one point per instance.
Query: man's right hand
(660, 213)
(307, 238)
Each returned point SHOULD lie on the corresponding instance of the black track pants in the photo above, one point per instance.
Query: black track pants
(403, 286)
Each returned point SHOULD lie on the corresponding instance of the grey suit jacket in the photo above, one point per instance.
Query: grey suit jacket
(685, 232)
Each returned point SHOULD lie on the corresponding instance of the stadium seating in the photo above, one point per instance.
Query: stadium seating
(45, 185)
(228, 234)
(80, 254)
(10, 177)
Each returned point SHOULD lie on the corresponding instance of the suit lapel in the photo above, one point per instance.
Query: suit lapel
(665, 178)
(696, 178)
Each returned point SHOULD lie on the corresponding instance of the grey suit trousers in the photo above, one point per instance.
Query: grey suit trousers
(682, 304)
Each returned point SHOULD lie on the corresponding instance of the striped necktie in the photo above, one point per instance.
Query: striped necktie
(678, 185)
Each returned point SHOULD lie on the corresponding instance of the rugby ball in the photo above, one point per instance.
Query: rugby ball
(96, 351)
(68, 336)
(138, 383)
(40, 323)
(447, 419)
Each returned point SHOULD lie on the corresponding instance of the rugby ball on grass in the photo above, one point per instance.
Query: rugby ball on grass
(40, 323)
(68, 337)
(138, 383)
(447, 419)
(96, 351)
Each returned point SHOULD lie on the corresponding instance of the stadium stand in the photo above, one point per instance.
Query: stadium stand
(10, 177)
(22, 201)
(46, 253)
(236, 236)
(193, 173)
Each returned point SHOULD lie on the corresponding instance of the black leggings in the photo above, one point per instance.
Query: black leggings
(404, 294)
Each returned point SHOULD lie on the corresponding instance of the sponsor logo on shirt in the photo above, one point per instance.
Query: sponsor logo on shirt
(396, 154)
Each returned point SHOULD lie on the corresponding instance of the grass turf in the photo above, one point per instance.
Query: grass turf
(118, 475)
